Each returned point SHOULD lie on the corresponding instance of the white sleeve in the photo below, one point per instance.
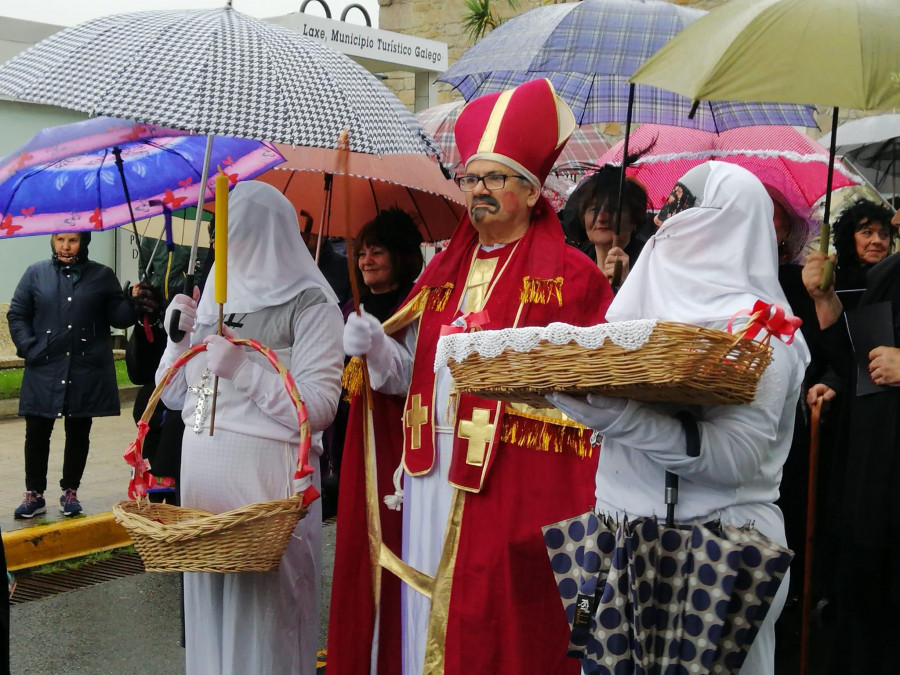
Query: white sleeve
(174, 394)
(316, 360)
(734, 439)
(394, 377)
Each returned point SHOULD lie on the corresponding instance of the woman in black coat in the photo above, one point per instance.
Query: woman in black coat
(59, 320)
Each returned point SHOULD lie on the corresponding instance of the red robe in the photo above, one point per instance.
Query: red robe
(499, 597)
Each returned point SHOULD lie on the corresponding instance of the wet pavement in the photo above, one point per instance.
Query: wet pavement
(128, 625)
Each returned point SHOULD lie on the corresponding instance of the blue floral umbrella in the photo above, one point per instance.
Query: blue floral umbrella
(103, 172)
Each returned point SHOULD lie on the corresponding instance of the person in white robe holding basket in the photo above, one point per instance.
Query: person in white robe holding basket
(703, 266)
(256, 622)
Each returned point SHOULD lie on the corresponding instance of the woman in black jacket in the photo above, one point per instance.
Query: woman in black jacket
(59, 320)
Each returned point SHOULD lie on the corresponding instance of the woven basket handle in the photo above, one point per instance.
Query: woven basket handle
(134, 454)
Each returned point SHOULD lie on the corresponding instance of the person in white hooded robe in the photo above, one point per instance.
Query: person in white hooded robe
(252, 622)
(702, 266)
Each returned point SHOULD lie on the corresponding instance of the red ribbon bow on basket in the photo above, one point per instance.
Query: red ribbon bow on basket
(770, 317)
(467, 321)
(141, 478)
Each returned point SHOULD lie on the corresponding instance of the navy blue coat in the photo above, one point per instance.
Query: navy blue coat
(62, 330)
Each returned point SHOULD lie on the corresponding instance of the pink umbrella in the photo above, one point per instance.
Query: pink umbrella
(779, 156)
(585, 145)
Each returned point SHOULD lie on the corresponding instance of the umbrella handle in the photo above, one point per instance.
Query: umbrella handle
(692, 440)
(175, 333)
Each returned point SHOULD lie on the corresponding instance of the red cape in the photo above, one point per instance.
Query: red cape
(505, 614)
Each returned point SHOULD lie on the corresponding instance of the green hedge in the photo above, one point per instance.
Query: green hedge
(11, 380)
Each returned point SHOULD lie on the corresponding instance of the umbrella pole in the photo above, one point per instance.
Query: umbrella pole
(825, 235)
(117, 153)
(617, 272)
(326, 214)
(815, 412)
(174, 332)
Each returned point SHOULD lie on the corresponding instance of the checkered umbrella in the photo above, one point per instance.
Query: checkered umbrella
(582, 149)
(216, 72)
(588, 50)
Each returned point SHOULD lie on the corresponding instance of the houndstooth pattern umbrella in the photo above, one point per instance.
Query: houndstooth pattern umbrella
(588, 50)
(215, 72)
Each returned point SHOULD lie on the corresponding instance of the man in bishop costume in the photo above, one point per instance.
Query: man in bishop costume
(479, 477)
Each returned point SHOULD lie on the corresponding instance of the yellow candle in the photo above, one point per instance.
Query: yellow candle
(221, 259)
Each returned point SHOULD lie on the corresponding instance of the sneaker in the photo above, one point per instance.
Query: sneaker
(31, 506)
(69, 504)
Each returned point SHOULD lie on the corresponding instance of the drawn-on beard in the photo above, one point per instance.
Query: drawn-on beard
(477, 215)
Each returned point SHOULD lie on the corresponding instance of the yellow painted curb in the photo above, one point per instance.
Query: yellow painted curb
(44, 544)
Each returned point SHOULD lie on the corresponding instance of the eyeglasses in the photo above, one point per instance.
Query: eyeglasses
(492, 181)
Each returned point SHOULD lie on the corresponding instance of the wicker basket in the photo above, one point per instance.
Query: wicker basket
(251, 538)
(679, 362)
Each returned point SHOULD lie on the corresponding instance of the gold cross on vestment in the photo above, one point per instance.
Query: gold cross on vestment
(479, 433)
(415, 417)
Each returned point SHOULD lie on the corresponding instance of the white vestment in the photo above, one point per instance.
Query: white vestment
(702, 266)
(260, 623)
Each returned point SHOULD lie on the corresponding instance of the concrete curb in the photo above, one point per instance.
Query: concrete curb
(44, 544)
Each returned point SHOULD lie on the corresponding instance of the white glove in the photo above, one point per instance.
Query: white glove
(188, 308)
(595, 412)
(224, 358)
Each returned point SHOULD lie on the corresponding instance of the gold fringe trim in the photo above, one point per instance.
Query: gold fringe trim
(352, 378)
(541, 291)
(436, 297)
(546, 434)
(433, 298)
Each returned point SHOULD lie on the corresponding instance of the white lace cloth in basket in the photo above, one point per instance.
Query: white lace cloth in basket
(628, 335)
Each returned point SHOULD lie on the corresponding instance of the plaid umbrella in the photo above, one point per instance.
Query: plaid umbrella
(643, 597)
(214, 72)
(584, 146)
(588, 50)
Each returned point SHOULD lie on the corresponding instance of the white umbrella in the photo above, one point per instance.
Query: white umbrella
(872, 146)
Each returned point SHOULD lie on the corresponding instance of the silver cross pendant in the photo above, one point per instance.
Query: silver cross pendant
(201, 410)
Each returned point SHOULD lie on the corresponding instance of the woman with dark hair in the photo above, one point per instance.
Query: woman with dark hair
(589, 219)
(389, 258)
(863, 237)
(59, 320)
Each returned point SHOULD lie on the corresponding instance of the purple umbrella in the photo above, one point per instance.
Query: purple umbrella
(67, 178)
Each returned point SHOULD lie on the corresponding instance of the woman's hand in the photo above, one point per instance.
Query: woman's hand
(828, 306)
(820, 391)
(884, 365)
(814, 275)
(616, 254)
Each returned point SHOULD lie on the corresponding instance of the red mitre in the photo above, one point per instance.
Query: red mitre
(523, 128)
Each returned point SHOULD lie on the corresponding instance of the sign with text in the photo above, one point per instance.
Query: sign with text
(402, 52)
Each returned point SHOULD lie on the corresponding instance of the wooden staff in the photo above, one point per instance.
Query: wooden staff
(815, 412)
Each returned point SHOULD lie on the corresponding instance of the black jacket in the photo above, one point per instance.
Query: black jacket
(59, 320)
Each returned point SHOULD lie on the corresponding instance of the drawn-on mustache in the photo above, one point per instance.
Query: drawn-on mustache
(488, 201)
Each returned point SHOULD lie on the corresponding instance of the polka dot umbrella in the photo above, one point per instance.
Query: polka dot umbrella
(643, 596)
